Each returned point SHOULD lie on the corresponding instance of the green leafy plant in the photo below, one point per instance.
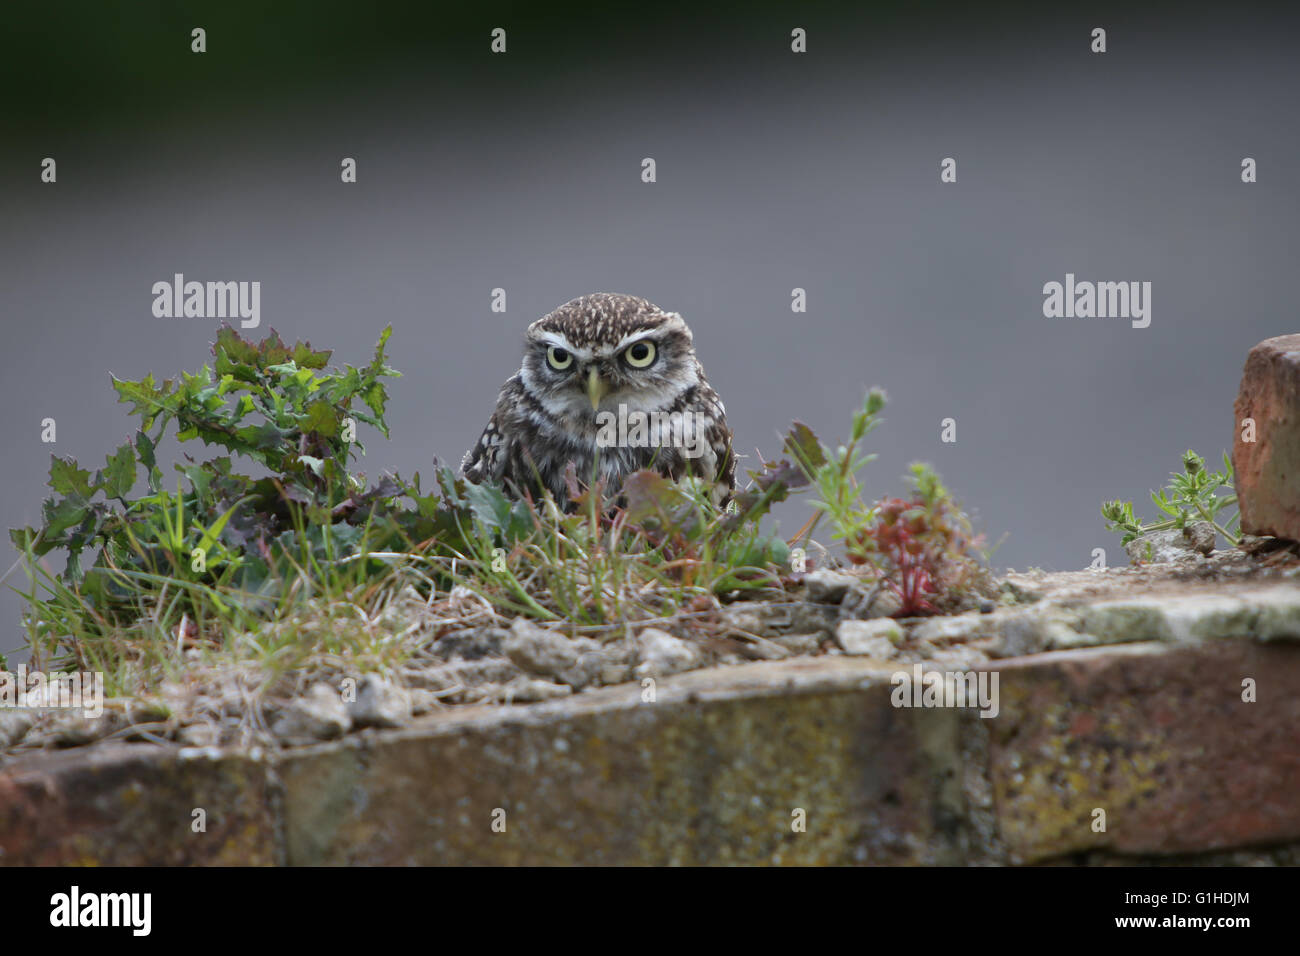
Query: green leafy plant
(834, 476)
(268, 404)
(1193, 494)
(223, 544)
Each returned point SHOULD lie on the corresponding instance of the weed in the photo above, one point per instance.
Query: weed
(920, 547)
(1193, 494)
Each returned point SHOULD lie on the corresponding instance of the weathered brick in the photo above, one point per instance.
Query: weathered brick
(1268, 469)
(132, 805)
(1158, 737)
(710, 773)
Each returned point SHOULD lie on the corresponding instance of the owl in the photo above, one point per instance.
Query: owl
(611, 384)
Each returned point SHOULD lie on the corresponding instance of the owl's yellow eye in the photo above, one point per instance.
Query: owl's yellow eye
(558, 358)
(639, 354)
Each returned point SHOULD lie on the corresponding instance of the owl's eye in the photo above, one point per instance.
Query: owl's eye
(558, 358)
(639, 354)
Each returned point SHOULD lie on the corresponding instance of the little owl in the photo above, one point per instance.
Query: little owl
(611, 384)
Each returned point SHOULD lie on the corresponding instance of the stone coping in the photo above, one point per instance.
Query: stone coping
(1185, 743)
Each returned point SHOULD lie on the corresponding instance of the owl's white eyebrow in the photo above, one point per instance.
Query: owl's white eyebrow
(627, 340)
(560, 342)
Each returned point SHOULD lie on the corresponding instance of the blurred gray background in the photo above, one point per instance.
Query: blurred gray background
(775, 170)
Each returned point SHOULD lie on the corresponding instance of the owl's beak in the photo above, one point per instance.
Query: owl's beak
(596, 388)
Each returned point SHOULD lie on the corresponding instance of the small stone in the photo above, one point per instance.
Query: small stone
(807, 618)
(949, 630)
(576, 661)
(987, 607)
(379, 703)
(1267, 470)
(539, 651)
(75, 730)
(440, 677)
(527, 690)
(828, 587)
(662, 654)
(14, 725)
(1200, 536)
(471, 644)
(1158, 547)
(801, 643)
(870, 638)
(318, 715)
(745, 617)
(870, 602)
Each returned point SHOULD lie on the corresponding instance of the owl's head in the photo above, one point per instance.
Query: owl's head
(600, 351)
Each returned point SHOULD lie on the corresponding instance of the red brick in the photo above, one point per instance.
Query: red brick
(1268, 469)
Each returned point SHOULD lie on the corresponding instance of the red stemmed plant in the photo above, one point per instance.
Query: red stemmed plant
(901, 536)
(921, 547)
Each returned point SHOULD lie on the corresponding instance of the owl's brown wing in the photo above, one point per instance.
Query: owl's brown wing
(719, 438)
(718, 435)
(486, 461)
